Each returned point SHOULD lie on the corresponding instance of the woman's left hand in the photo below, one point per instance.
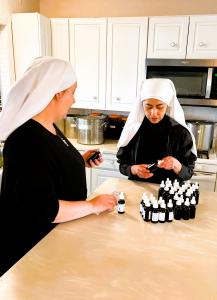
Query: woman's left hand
(93, 163)
(170, 163)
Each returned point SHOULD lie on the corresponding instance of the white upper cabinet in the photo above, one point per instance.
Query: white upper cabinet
(31, 38)
(167, 37)
(191, 37)
(126, 53)
(202, 41)
(60, 38)
(88, 57)
(108, 56)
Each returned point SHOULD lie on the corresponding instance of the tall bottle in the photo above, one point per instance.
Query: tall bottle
(186, 210)
(192, 208)
(121, 203)
(169, 212)
(155, 213)
(162, 212)
(178, 210)
(161, 189)
(147, 211)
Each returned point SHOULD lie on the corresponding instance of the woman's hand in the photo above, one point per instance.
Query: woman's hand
(104, 202)
(170, 163)
(93, 163)
(141, 171)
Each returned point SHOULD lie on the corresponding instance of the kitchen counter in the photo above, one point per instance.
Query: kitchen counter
(116, 257)
(109, 146)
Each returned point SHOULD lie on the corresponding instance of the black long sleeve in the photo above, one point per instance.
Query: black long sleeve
(171, 139)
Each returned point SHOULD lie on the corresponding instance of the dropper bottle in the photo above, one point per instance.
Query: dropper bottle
(121, 203)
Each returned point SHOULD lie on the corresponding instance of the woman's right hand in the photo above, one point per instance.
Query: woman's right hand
(141, 171)
(104, 202)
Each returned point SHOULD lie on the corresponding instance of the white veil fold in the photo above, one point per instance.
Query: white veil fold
(45, 77)
(158, 88)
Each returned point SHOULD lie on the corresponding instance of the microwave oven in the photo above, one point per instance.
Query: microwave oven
(195, 80)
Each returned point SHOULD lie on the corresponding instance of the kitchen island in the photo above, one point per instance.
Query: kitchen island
(116, 257)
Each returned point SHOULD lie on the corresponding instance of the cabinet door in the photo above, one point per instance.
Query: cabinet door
(31, 38)
(202, 42)
(60, 38)
(100, 175)
(88, 56)
(167, 37)
(126, 53)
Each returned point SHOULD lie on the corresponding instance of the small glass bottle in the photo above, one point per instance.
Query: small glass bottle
(178, 210)
(162, 212)
(169, 211)
(121, 203)
(161, 189)
(155, 213)
(192, 208)
(186, 210)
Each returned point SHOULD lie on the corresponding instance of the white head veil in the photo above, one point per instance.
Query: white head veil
(161, 89)
(45, 77)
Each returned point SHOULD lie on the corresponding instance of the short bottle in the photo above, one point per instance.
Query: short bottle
(186, 210)
(192, 208)
(121, 203)
(155, 213)
(162, 212)
(169, 211)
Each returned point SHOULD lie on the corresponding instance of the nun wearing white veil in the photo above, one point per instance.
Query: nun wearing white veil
(156, 132)
(43, 181)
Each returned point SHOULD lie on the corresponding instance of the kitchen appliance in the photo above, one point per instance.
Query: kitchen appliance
(114, 127)
(70, 126)
(90, 129)
(203, 132)
(195, 79)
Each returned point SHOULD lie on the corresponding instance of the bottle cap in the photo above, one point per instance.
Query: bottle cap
(170, 203)
(193, 200)
(187, 203)
(121, 196)
(155, 204)
(163, 205)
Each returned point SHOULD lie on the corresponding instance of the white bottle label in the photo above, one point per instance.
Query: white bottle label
(171, 216)
(154, 217)
(162, 216)
(121, 207)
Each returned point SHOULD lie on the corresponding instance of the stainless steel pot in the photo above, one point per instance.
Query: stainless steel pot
(203, 133)
(90, 129)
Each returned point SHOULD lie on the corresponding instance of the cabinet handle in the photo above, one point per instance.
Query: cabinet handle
(95, 97)
(118, 98)
(201, 44)
(173, 44)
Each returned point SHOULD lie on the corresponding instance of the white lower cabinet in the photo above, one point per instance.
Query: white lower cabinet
(100, 175)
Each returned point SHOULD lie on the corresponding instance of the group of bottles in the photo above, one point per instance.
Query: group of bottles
(175, 201)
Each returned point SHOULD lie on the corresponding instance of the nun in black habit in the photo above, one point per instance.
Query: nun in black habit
(156, 132)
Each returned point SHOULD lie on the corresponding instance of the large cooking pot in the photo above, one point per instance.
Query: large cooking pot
(90, 129)
(203, 133)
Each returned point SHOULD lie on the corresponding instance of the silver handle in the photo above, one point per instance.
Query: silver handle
(95, 97)
(202, 44)
(118, 98)
(173, 44)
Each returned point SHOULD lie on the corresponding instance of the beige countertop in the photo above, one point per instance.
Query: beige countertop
(109, 146)
(121, 257)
